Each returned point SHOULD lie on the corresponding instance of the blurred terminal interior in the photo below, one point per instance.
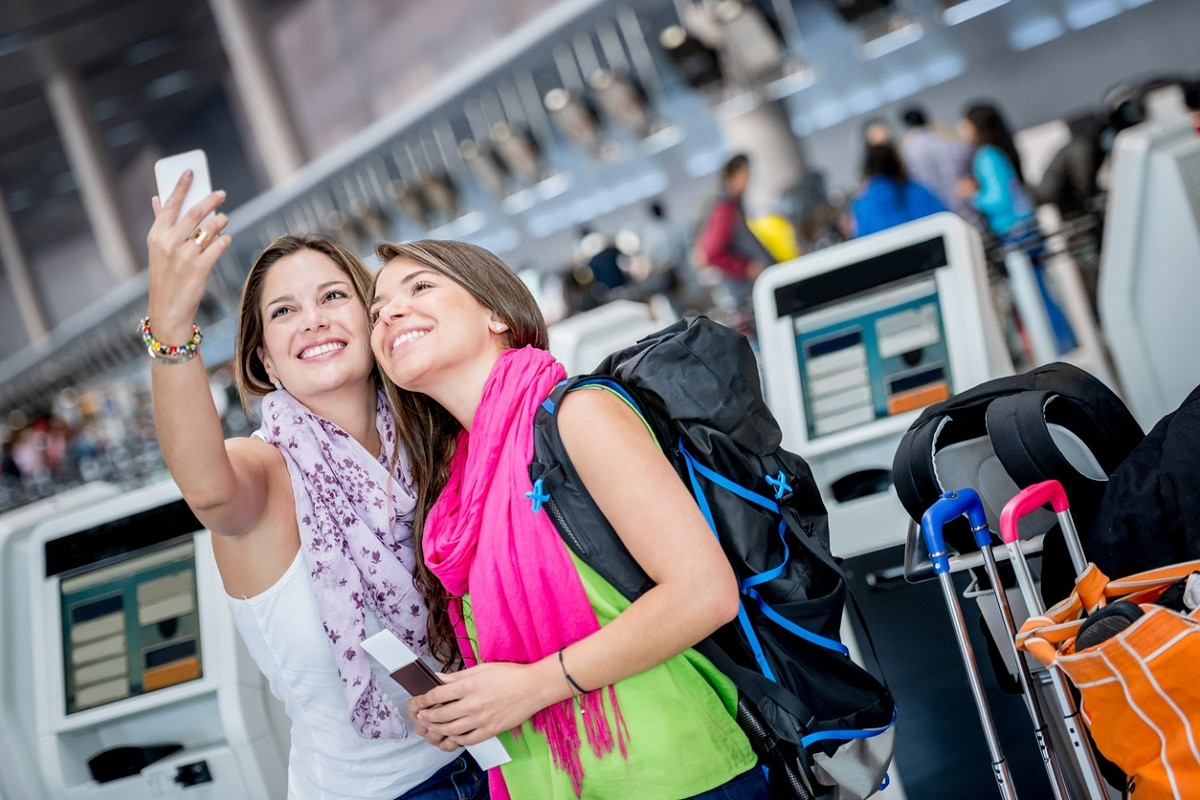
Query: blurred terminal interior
(509, 123)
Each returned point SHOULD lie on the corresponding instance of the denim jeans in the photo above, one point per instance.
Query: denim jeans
(750, 785)
(461, 779)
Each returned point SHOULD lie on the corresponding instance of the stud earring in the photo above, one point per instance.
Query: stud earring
(498, 327)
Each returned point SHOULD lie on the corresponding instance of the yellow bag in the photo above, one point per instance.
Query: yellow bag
(777, 235)
(1139, 688)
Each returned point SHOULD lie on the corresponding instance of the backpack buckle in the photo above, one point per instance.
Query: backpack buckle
(783, 489)
(538, 495)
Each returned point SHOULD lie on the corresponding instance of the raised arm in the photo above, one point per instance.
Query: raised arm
(658, 521)
(226, 488)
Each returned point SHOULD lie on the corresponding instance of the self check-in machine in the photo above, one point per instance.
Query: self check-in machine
(20, 778)
(1150, 261)
(582, 341)
(139, 684)
(855, 340)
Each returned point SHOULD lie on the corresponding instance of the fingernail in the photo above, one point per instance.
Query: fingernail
(187, 173)
(222, 193)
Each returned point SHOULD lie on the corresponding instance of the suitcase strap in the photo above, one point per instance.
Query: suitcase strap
(1042, 635)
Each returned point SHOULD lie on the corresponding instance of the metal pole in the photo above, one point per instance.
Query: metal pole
(257, 82)
(12, 256)
(950, 506)
(1053, 772)
(92, 171)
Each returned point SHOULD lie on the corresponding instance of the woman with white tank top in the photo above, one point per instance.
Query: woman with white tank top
(311, 516)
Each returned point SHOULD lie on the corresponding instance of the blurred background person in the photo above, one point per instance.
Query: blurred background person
(663, 265)
(598, 268)
(888, 197)
(996, 186)
(876, 130)
(937, 159)
(1071, 184)
(727, 244)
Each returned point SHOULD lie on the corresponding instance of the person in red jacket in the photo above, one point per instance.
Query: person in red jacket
(727, 243)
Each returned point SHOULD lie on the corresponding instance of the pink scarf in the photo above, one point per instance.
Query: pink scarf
(355, 521)
(483, 538)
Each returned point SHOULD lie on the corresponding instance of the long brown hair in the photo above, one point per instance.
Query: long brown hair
(991, 129)
(248, 368)
(428, 430)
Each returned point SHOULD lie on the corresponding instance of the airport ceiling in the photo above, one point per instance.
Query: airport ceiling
(143, 65)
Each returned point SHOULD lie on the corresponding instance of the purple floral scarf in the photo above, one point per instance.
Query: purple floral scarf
(355, 520)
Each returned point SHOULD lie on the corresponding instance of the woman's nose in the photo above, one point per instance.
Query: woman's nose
(315, 319)
(394, 309)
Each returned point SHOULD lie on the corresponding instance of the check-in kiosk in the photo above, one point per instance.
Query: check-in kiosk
(582, 341)
(1150, 261)
(19, 775)
(140, 686)
(855, 340)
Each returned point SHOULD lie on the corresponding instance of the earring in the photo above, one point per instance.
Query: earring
(498, 327)
(275, 382)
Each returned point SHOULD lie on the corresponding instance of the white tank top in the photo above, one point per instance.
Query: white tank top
(328, 759)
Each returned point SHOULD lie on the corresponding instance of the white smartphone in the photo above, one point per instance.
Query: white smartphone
(167, 172)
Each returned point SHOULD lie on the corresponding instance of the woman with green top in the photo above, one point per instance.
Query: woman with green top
(593, 696)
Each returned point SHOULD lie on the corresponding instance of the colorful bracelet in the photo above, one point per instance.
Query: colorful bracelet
(575, 687)
(170, 353)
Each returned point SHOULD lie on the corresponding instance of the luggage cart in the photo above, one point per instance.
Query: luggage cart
(1026, 501)
(1057, 735)
(950, 506)
(983, 538)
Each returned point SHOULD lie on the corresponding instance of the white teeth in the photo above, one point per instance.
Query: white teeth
(322, 349)
(408, 337)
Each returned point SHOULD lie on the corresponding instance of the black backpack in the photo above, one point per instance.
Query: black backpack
(1053, 422)
(1150, 514)
(823, 725)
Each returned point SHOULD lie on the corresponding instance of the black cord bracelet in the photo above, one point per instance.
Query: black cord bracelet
(574, 686)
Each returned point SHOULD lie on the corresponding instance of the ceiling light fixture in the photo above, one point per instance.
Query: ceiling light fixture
(897, 30)
(957, 11)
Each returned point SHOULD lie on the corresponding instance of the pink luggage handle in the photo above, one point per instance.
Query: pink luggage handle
(1027, 501)
(1024, 503)
(1030, 499)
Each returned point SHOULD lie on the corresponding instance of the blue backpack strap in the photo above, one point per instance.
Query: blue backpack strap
(845, 734)
(747, 585)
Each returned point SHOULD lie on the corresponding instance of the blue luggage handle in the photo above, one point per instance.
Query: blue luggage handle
(949, 506)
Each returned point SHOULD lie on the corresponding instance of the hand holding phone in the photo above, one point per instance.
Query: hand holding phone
(168, 171)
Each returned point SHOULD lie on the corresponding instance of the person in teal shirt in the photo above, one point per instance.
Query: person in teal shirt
(996, 187)
(998, 191)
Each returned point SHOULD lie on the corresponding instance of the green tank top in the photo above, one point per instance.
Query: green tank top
(683, 737)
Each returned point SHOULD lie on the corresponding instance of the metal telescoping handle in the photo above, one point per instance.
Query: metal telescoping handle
(1025, 502)
(949, 506)
(1058, 785)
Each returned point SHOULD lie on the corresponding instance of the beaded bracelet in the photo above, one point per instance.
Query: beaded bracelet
(170, 353)
(570, 681)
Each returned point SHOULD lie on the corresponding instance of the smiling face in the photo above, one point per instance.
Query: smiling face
(428, 329)
(314, 336)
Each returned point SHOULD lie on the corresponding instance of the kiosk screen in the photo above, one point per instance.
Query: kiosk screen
(876, 356)
(130, 619)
